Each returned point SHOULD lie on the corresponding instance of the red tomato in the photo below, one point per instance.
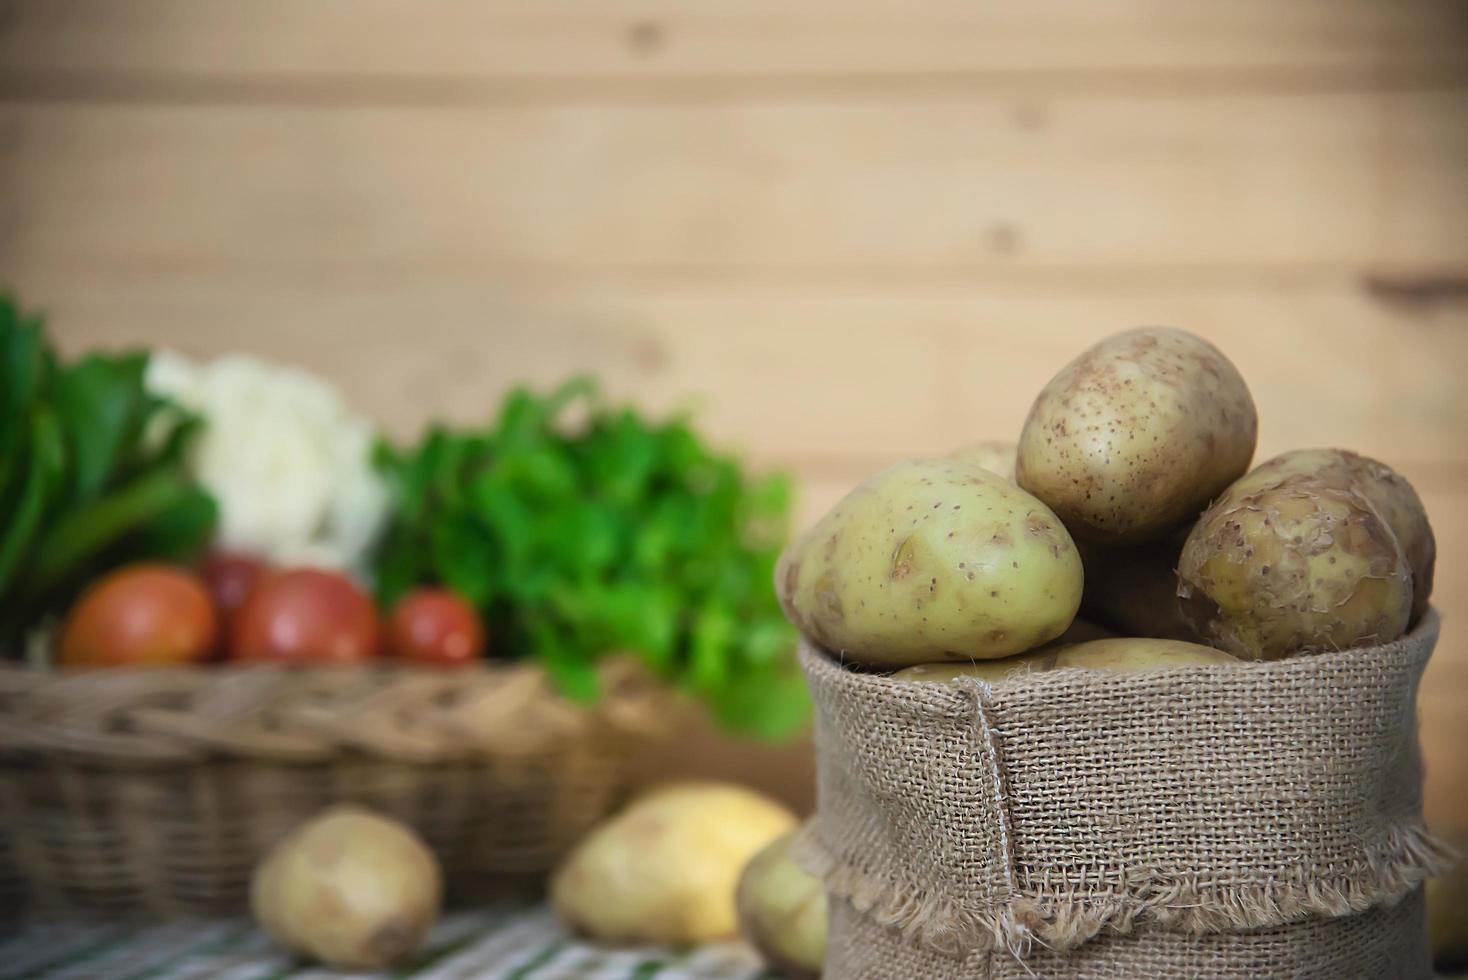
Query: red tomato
(230, 575)
(305, 615)
(435, 626)
(140, 614)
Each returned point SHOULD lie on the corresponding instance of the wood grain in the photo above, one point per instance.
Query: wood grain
(745, 39)
(874, 188)
(828, 378)
(1427, 164)
(843, 231)
(1443, 704)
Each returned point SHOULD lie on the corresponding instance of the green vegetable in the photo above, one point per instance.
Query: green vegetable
(608, 534)
(92, 474)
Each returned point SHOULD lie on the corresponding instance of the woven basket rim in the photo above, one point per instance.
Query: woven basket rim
(127, 717)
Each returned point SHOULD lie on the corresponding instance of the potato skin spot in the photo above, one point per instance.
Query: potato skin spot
(828, 601)
(792, 580)
(902, 560)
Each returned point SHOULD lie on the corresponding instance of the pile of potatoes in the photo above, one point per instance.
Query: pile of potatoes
(1128, 499)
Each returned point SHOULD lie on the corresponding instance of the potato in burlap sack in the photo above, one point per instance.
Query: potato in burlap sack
(1194, 821)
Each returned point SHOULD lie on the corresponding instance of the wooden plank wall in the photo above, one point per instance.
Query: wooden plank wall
(846, 230)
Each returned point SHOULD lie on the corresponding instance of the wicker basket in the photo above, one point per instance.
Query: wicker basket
(151, 793)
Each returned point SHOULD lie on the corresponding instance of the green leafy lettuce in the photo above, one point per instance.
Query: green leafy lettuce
(580, 530)
(92, 473)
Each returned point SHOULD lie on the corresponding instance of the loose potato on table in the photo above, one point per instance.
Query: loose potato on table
(1285, 563)
(782, 911)
(666, 869)
(1118, 654)
(932, 560)
(1392, 496)
(994, 455)
(349, 888)
(1135, 436)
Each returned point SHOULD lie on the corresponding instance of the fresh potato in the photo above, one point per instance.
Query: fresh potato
(665, 870)
(1284, 563)
(1122, 654)
(1081, 631)
(1387, 491)
(985, 670)
(349, 888)
(994, 455)
(782, 911)
(1078, 632)
(932, 559)
(1134, 590)
(1135, 436)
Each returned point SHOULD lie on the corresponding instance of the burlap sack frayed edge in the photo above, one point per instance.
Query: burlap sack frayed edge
(929, 920)
(1407, 857)
(1059, 923)
(1388, 941)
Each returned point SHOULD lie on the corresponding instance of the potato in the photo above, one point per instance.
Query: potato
(1078, 632)
(348, 888)
(1119, 654)
(782, 911)
(994, 455)
(1135, 436)
(1081, 631)
(1391, 495)
(932, 559)
(1284, 563)
(1124, 654)
(665, 869)
(1133, 589)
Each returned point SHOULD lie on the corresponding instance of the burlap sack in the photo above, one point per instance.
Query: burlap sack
(1388, 943)
(1031, 815)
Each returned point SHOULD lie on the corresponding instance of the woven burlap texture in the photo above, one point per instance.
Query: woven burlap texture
(1032, 814)
(1388, 943)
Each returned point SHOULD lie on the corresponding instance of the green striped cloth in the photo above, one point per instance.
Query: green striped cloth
(494, 944)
